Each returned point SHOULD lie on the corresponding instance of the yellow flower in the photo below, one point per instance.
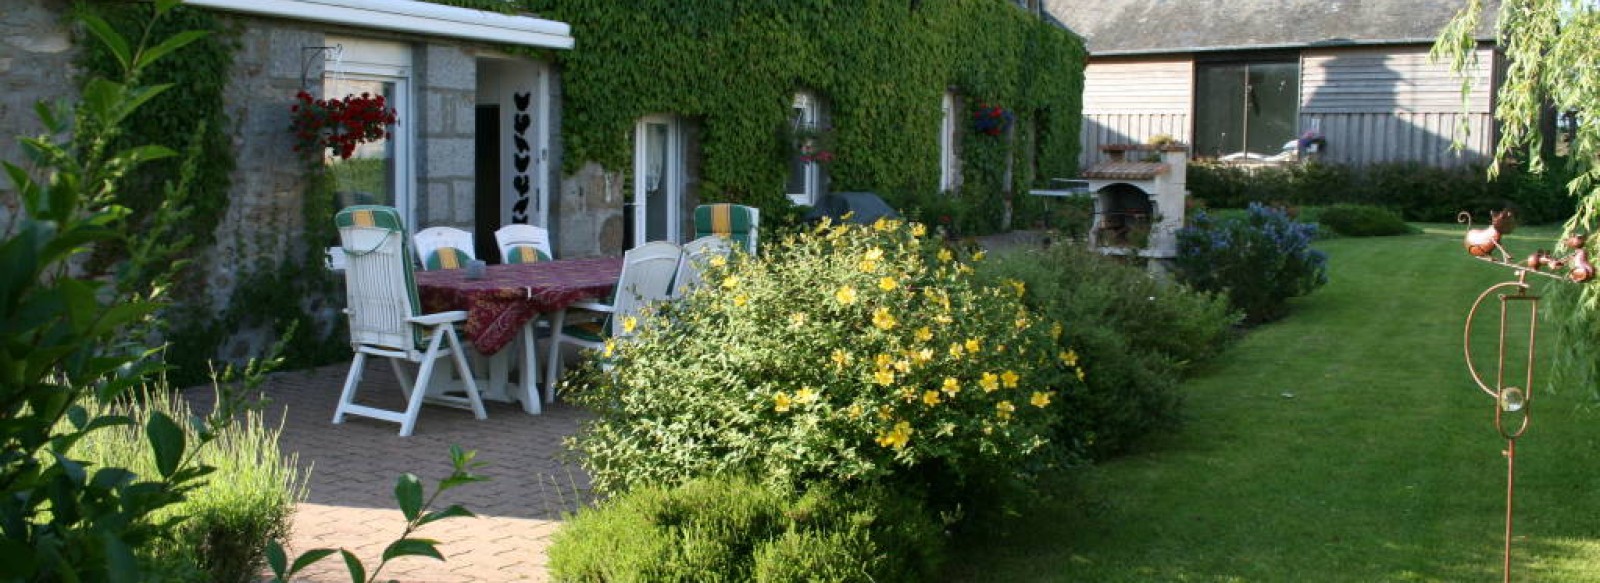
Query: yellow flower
(925, 355)
(979, 255)
(1055, 331)
(846, 295)
(898, 437)
(923, 334)
(951, 386)
(1040, 399)
(885, 412)
(882, 360)
(918, 230)
(883, 319)
(1022, 323)
(883, 377)
(840, 358)
(854, 412)
(943, 319)
(718, 261)
(888, 283)
(964, 269)
(780, 402)
(730, 282)
(1019, 285)
(1009, 379)
(611, 348)
(740, 300)
(797, 319)
(903, 366)
(1004, 409)
(908, 394)
(868, 266)
(1069, 358)
(1080, 375)
(629, 323)
(930, 398)
(805, 396)
(973, 345)
(883, 224)
(945, 255)
(956, 351)
(990, 382)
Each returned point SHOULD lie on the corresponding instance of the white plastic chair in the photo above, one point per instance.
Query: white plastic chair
(696, 254)
(523, 244)
(647, 272)
(385, 319)
(738, 222)
(444, 248)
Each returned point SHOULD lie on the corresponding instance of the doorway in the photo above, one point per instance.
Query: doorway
(511, 147)
(658, 170)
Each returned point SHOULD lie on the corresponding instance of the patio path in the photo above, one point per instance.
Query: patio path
(354, 466)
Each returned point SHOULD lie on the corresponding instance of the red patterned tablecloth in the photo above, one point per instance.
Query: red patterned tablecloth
(509, 295)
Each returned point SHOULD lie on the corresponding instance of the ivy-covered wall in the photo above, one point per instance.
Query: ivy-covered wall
(882, 67)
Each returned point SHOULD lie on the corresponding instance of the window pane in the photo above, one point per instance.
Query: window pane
(1274, 101)
(1219, 110)
(368, 176)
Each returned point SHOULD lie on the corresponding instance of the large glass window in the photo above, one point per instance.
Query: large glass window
(1245, 110)
(378, 172)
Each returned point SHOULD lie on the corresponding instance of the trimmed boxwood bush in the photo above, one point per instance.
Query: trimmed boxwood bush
(1134, 336)
(1259, 260)
(228, 520)
(1352, 220)
(722, 529)
(850, 354)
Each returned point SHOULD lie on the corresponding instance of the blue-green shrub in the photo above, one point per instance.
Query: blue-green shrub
(722, 529)
(1353, 220)
(1133, 336)
(1259, 261)
(248, 501)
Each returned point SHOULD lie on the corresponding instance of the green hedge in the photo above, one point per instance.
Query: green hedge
(1416, 191)
(720, 529)
(881, 66)
(1135, 338)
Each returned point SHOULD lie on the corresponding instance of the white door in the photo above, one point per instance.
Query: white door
(657, 180)
(519, 89)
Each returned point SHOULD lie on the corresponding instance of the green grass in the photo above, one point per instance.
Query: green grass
(1345, 443)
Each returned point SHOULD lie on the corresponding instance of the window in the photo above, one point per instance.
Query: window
(805, 177)
(379, 172)
(1245, 110)
(949, 173)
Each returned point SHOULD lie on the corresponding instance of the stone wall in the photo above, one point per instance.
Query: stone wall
(36, 54)
(588, 213)
(446, 78)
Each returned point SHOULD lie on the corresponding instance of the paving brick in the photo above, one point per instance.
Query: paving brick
(353, 467)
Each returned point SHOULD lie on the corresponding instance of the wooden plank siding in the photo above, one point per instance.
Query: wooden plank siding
(1391, 104)
(1130, 100)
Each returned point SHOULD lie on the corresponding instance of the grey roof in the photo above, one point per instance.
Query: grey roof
(1181, 26)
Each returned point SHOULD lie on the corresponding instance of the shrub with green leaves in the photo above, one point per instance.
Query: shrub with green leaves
(1352, 220)
(1134, 337)
(1260, 260)
(847, 354)
(723, 529)
(248, 501)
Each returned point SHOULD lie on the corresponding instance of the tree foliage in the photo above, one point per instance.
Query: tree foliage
(1552, 49)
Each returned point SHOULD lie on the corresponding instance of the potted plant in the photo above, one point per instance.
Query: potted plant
(813, 144)
(991, 119)
(338, 124)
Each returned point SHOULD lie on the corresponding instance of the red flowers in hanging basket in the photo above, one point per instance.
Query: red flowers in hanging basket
(338, 124)
(991, 119)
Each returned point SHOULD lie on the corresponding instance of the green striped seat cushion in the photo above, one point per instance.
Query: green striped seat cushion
(525, 254)
(446, 258)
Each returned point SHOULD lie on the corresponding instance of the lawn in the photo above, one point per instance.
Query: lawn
(1345, 443)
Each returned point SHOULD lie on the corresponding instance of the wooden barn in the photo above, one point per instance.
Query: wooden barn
(1243, 80)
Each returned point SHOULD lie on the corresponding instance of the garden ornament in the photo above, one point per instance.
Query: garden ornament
(1512, 396)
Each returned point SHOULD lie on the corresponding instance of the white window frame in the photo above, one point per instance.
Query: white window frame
(948, 172)
(672, 175)
(365, 59)
(810, 114)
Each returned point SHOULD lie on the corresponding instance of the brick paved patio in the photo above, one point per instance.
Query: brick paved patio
(354, 466)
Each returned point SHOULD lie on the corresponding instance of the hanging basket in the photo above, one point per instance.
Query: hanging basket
(339, 125)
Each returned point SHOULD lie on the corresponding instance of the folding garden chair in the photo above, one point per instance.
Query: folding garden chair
(385, 318)
(647, 272)
(444, 248)
(738, 222)
(523, 244)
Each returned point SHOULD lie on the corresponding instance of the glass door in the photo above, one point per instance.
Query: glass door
(657, 181)
(1245, 110)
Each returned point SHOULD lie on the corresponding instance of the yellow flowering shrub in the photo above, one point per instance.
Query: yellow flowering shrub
(844, 354)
